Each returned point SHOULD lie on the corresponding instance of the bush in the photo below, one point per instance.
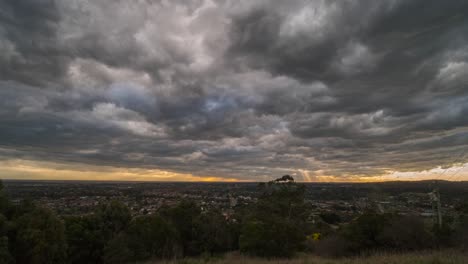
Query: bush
(5, 256)
(85, 239)
(405, 233)
(333, 246)
(461, 232)
(274, 238)
(184, 218)
(113, 217)
(330, 218)
(364, 232)
(443, 235)
(214, 234)
(146, 237)
(40, 238)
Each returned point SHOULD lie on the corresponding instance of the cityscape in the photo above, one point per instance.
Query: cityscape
(347, 200)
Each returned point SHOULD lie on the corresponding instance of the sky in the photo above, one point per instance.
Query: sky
(234, 90)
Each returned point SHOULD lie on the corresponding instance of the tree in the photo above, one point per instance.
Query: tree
(330, 218)
(275, 225)
(85, 239)
(364, 231)
(5, 204)
(285, 178)
(147, 237)
(40, 237)
(183, 217)
(117, 251)
(5, 255)
(443, 235)
(461, 230)
(113, 217)
(89, 235)
(213, 233)
(274, 238)
(405, 233)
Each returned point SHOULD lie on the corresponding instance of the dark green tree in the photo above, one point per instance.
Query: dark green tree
(275, 225)
(405, 233)
(330, 218)
(213, 233)
(40, 237)
(5, 255)
(147, 237)
(5, 205)
(113, 217)
(89, 235)
(184, 218)
(443, 235)
(365, 231)
(85, 239)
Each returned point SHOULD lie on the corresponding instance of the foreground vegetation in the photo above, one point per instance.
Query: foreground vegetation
(433, 257)
(277, 226)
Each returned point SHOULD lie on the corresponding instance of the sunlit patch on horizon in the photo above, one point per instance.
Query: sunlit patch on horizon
(41, 170)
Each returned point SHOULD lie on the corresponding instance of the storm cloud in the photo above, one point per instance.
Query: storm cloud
(236, 89)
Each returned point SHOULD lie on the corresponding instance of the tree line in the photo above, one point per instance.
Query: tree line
(277, 225)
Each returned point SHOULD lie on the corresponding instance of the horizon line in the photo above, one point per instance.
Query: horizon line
(230, 182)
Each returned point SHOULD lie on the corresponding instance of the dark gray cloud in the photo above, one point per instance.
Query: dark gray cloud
(236, 88)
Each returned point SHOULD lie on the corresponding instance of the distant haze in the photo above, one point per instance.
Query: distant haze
(234, 90)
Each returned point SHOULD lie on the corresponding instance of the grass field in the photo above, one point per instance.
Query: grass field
(442, 257)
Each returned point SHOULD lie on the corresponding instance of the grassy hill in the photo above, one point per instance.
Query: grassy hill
(437, 257)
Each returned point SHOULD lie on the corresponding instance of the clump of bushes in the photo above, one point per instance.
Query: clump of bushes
(384, 232)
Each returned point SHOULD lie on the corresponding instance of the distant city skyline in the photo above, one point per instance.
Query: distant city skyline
(225, 90)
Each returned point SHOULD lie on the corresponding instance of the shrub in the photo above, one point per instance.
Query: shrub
(147, 237)
(405, 233)
(40, 238)
(364, 232)
(333, 246)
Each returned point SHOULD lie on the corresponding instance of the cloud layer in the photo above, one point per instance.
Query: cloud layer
(236, 89)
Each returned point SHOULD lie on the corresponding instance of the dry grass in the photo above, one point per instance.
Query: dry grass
(443, 257)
